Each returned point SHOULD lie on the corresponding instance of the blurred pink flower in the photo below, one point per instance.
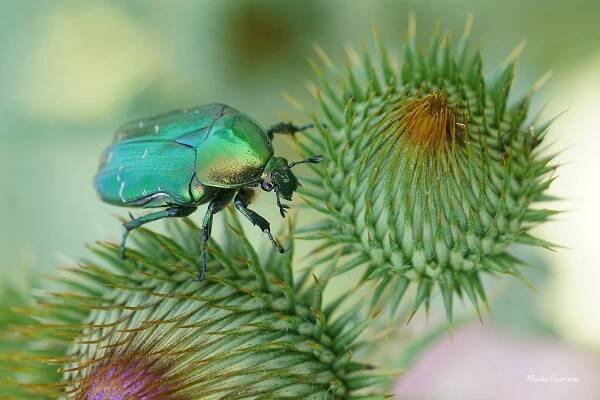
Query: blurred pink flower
(483, 363)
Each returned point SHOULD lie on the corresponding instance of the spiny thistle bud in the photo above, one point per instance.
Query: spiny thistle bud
(430, 172)
(142, 328)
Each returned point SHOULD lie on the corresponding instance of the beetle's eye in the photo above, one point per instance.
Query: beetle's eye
(266, 186)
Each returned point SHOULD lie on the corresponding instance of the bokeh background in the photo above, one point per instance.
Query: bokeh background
(71, 71)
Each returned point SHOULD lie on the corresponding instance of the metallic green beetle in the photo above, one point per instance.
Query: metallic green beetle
(208, 154)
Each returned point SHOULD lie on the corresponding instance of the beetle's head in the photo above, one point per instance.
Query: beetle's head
(278, 176)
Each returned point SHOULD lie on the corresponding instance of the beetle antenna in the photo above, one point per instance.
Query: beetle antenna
(312, 160)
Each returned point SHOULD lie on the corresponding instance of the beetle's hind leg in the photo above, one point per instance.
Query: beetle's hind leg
(240, 203)
(178, 211)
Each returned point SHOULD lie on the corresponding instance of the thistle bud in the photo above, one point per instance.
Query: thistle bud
(430, 173)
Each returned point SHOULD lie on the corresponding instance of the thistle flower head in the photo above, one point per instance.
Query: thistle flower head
(431, 171)
(129, 377)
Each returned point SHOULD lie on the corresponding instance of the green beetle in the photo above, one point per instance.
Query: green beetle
(208, 154)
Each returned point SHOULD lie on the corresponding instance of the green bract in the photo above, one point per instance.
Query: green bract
(431, 172)
(142, 327)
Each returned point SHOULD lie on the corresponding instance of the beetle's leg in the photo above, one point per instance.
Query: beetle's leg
(214, 207)
(205, 237)
(179, 211)
(256, 219)
(287, 127)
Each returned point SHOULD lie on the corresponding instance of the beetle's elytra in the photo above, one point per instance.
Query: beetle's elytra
(208, 154)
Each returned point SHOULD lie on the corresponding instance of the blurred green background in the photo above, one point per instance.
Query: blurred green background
(71, 71)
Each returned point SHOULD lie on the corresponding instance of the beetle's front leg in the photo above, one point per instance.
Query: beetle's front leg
(256, 219)
(288, 128)
(282, 207)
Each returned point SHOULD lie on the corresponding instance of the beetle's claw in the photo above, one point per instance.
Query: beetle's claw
(123, 242)
(283, 209)
(274, 240)
(278, 246)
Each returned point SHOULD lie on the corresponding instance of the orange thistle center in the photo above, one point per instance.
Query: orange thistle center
(428, 121)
